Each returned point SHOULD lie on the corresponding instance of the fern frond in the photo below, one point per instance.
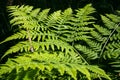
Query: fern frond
(83, 16)
(21, 46)
(101, 30)
(115, 65)
(27, 18)
(111, 49)
(115, 37)
(65, 33)
(97, 36)
(94, 45)
(109, 24)
(113, 44)
(45, 65)
(113, 17)
(42, 16)
(89, 53)
(111, 53)
(52, 19)
(53, 45)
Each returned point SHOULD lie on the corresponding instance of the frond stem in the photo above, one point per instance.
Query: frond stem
(30, 41)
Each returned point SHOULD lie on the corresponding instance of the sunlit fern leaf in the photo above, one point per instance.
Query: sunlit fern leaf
(53, 45)
(98, 71)
(46, 64)
(19, 35)
(27, 19)
(62, 32)
(58, 25)
(47, 45)
(21, 46)
(43, 15)
(35, 12)
(22, 34)
(52, 19)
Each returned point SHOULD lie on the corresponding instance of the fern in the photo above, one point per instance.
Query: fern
(59, 26)
(75, 28)
(34, 30)
(113, 37)
(47, 66)
(61, 32)
(108, 37)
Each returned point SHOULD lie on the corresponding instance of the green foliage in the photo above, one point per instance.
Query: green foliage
(37, 66)
(33, 28)
(107, 37)
(65, 33)
(63, 27)
(111, 47)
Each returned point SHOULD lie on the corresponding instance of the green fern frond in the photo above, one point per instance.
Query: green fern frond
(26, 17)
(111, 46)
(21, 46)
(53, 45)
(83, 16)
(97, 36)
(101, 30)
(115, 65)
(19, 35)
(108, 23)
(94, 45)
(113, 38)
(42, 16)
(113, 17)
(72, 36)
(53, 18)
(22, 34)
(45, 64)
(111, 53)
(89, 53)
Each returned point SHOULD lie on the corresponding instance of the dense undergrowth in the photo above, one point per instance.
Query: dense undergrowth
(61, 45)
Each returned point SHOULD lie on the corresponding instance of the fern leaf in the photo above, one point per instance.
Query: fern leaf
(99, 71)
(21, 46)
(43, 15)
(102, 30)
(35, 12)
(109, 24)
(45, 64)
(90, 53)
(19, 35)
